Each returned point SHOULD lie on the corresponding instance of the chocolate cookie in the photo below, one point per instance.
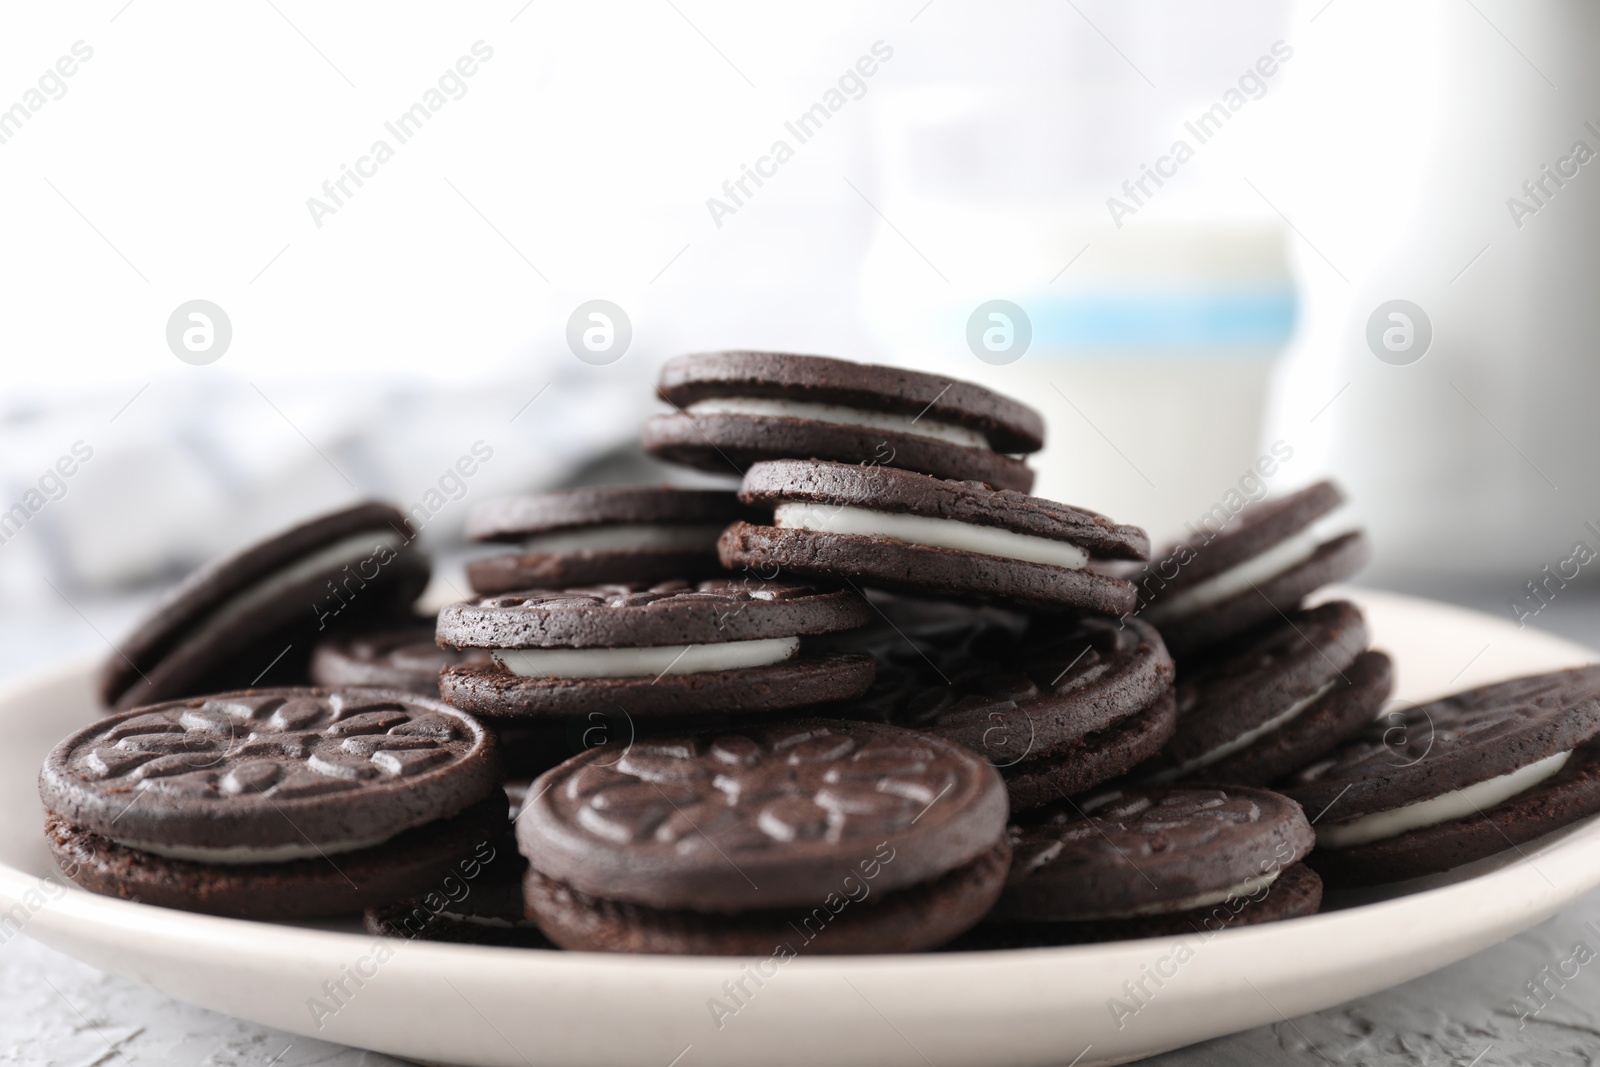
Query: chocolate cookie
(1457, 779)
(671, 649)
(601, 534)
(1156, 861)
(254, 616)
(910, 532)
(1220, 582)
(403, 656)
(478, 903)
(811, 836)
(737, 408)
(1057, 705)
(1279, 698)
(276, 803)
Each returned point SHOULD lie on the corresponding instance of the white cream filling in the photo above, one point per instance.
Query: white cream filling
(1251, 735)
(772, 407)
(1237, 579)
(645, 662)
(235, 854)
(1456, 804)
(934, 533)
(627, 537)
(1247, 888)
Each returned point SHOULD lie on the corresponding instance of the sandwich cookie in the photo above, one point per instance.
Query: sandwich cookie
(1457, 780)
(815, 836)
(601, 534)
(477, 903)
(1057, 706)
(254, 616)
(1154, 863)
(908, 532)
(409, 658)
(1281, 697)
(273, 803)
(1217, 584)
(736, 408)
(672, 649)
(400, 656)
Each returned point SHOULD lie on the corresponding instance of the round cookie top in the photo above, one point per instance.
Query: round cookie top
(776, 482)
(271, 767)
(1254, 530)
(1412, 755)
(767, 817)
(1259, 678)
(514, 518)
(1145, 850)
(1010, 695)
(637, 615)
(398, 657)
(212, 587)
(1008, 425)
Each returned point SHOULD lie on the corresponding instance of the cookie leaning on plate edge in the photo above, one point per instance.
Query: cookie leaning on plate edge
(254, 615)
(1457, 779)
(233, 804)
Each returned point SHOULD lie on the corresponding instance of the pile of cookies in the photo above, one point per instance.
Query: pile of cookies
(878, 699)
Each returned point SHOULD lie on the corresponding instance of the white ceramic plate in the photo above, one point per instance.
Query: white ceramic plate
(469, 1005)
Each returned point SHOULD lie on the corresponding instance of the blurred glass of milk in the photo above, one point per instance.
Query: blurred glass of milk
(1030, 171)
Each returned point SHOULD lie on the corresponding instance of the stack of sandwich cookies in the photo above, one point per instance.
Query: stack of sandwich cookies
(402, 656)
(1277, 699)
(671, 649)
(737, 408)
(254, 616)
(813, 836)
(1153, 863)
(898, 530)
(1457, 780)
(1059, 708)
(1216, 585)
(273, 804)
(601, 534)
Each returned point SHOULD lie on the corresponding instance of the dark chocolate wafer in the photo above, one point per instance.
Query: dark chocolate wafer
(728, 843)
(733, 409)
(236, 803)
(577, 537)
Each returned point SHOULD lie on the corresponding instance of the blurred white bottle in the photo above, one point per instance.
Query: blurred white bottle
(1153, 332)
(1468, 453)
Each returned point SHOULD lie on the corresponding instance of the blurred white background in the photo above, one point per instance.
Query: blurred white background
(1171, 343)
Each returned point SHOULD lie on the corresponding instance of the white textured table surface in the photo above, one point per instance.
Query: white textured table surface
(1481, 1012)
